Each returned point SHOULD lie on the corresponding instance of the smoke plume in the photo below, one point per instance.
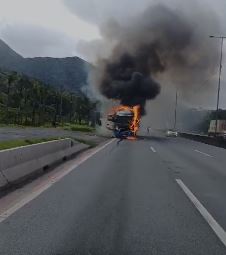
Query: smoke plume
(159, 46)
(128, 79)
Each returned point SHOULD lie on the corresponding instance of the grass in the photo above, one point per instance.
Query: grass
(24, 126)
(18, 143)
(4, 145)
(77, 127)
(12, 125)
(66, 126)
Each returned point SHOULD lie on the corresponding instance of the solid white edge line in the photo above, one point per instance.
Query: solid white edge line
(36, 193)
(203, 153)
(219, 231)
(153, 149)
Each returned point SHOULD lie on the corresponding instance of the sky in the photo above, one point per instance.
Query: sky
(43, 28)
(64, 28)
(56, 28)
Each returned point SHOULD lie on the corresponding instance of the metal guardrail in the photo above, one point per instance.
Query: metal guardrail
(215, 141)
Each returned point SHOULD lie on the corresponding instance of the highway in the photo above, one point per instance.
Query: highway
(153, 196)
(16, 133)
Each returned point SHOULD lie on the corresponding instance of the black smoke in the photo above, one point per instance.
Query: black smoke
(159, 41)
(129, 80)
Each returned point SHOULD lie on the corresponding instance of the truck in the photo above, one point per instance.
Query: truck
(221, 128)
(120, 123)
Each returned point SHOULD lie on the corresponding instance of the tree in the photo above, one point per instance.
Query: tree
(28, 101)
(12, 78)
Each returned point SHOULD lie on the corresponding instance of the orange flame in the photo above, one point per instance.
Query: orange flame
(136, 120)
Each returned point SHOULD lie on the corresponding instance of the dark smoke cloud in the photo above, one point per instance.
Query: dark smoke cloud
(128, 79)
(174, 38)
(161, 44)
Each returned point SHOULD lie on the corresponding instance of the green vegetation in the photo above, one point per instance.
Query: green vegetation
(28, 102)
(77, 127)
(18, 143)
(4, 145)
(70, 72)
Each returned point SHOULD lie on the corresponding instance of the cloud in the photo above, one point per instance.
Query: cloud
(98, 11)
(204, 16)
(109, 14)
(43, 28)
(33, 41)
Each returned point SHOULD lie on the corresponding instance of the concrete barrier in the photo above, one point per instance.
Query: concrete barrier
(18, 163)
(15, 156)
(3, 181)
(215, 141)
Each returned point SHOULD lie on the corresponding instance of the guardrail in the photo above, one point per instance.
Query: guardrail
(216, 141)
(19, 163)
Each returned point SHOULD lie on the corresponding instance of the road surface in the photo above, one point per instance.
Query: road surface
(151, 196)
(16, 133)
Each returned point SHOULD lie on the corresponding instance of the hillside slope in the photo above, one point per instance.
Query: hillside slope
(69, 73)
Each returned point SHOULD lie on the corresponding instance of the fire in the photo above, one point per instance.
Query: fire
(135, 123)
(136, 119)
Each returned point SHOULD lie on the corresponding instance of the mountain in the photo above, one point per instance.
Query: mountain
(8, 57)
(69, 73)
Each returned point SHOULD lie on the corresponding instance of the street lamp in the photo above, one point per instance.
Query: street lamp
(175, 111)
(219, 82)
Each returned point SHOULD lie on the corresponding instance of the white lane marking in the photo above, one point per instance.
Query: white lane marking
(219, 231)
(51, 182)
(203, 153)
(153, 149)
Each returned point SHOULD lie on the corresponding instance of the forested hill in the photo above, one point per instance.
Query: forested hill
(69, 73)
(27, 101)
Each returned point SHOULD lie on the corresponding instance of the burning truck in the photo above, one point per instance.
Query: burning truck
(160, 43)
(124, 121)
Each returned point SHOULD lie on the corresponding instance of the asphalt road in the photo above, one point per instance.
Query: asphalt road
(125, 200)
(16, 133)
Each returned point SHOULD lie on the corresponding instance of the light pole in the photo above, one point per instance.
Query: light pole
(219, 81)
(175, 112)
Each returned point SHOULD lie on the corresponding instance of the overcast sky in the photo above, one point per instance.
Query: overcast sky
(57, 27)
(60, 28)
(43, 27)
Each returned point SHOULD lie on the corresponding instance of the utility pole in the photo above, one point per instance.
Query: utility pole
(219, 80)
(175, 111)
(61, 104)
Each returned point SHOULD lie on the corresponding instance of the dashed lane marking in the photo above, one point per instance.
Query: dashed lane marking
(153, 149)
(219, 231)
(203, 153)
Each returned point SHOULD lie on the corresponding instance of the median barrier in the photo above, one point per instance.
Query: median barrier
(18, 163)
(215, 141)
(3, 181)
